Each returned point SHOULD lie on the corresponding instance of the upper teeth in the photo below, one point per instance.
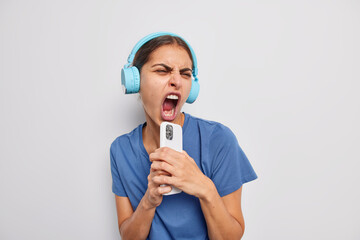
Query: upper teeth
(172, 97)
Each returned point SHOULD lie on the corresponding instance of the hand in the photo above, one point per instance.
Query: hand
(154, 192)
(184, 173)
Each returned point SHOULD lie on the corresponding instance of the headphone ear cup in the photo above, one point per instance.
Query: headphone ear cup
(130, 80)
(194, 91)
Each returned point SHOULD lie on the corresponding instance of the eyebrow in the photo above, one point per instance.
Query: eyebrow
(170, 69)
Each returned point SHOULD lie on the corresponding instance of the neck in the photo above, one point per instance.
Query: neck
(151, 133)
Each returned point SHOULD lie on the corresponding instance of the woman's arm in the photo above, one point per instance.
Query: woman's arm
(223, 216)
(136, 225)
(133, 225)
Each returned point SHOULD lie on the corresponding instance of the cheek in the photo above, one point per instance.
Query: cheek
(146, 81)
(148, 92)
(187, 88)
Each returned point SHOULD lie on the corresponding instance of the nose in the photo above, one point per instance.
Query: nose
(175, 80)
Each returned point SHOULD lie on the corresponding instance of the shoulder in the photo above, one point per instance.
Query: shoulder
(125, 140)
(217, 132)
(214, 128)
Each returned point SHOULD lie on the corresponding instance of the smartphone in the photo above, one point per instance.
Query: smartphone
(171, 136)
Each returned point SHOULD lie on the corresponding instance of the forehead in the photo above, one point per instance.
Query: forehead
(172, 55)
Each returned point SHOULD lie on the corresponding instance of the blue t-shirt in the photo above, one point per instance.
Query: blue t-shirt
(215, 150)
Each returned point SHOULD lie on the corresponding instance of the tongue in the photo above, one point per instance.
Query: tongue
(168, 105)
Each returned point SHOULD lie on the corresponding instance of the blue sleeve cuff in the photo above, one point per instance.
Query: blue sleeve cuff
(232, 188)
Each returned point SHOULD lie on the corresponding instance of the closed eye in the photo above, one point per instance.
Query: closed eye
(186, 72)
(187, 75)
(162, 71)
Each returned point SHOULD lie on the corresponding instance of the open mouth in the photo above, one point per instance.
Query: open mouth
(169, 107)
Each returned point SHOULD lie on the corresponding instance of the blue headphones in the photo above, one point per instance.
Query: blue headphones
(130, 76)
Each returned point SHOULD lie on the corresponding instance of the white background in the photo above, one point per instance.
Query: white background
(283, 75)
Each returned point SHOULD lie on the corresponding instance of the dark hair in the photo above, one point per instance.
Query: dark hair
(143, 54)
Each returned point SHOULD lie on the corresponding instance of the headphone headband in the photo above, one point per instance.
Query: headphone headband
(155, 35)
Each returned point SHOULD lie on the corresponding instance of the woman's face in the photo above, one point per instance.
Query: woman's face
(165, 83)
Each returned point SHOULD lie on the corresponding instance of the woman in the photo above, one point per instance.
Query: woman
(210, 171)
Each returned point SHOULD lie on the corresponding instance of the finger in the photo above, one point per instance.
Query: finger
(160, 190)
(164, 190)
(161, 172)
(160, 154)
(166, 154)
(155, 193)
(163, 166)
(158, 173)
(151, 183)
(162, 179)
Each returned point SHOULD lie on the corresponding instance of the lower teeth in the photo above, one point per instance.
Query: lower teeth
(169, 114)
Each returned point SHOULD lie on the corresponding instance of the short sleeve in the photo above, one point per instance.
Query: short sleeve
(117, 186)
(231, 168)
